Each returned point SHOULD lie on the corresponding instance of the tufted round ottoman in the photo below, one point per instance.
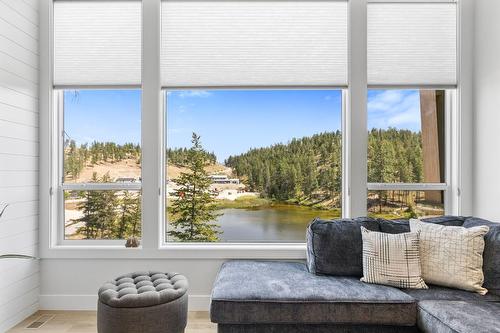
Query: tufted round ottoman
(143, 302)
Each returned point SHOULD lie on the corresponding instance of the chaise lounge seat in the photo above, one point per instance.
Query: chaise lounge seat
(255, 296)
(326, 296)
(459, 317)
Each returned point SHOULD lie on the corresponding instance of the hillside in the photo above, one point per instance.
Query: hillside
(310, 168)
(128, 168)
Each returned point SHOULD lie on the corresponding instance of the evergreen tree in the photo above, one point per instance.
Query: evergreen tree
(193, 208)
(129, 220)
(99, 212)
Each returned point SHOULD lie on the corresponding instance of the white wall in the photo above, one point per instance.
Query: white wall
(72, 284)
(19, 279)
(486, 108)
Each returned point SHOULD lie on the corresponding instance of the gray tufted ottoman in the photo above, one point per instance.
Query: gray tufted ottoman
(143, 302)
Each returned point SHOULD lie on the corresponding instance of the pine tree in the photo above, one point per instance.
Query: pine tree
(99, 212)
(193, 208)
(129, 219)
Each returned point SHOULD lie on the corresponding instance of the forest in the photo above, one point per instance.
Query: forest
(304, 170)
(108, 214)
(310, 167)
(77, 157)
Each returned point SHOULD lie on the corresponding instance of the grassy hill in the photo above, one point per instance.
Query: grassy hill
(128, 168)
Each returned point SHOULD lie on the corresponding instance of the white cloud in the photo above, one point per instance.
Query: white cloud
(194, 93)
(394, 108)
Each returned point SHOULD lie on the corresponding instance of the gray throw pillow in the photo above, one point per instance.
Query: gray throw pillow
(491, 255)
(402, 225)
(334, 247)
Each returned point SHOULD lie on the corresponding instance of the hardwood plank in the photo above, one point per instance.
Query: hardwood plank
(85, 322)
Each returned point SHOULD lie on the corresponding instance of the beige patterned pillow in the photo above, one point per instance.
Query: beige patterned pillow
(391, 259)
(452, 256)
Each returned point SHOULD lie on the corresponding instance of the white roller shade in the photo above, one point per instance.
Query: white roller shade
(97, 42)
(412, 43)
(252, 43)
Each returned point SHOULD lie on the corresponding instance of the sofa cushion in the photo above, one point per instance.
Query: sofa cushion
(437, 293)
(335, 247)
(402, 225)
(458, 317)
(267, 292)
(491, 254)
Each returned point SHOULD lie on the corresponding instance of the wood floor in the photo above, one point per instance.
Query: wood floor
(85, 322)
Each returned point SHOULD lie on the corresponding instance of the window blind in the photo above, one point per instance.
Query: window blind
(254, 43)
(97, 42)
(412, 43)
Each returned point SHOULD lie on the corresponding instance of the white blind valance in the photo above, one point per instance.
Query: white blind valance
(412, 43)
(97, 42)
(254, 43)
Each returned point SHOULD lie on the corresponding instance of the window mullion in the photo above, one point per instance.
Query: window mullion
(151, 124)
(355, 168)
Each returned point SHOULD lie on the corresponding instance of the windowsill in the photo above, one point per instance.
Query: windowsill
(179, 251)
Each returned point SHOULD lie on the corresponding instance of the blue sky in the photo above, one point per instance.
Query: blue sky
(230, 121)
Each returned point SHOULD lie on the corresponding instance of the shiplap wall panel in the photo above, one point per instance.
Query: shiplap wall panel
(19, 151)
(23, 9)
(23, 71)
(19, 303)
(19, 193)
(18, 162)
(12, 146)
(18, 52)
(16, 98)
(23, 284)
(18, 178)
(8, 267)
(16, 226)
(18, 36)
(18, 131)
(24, 268)
(16, 115)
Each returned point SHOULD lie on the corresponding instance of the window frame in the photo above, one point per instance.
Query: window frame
(166, 244)
(354, 183)
(62, 186)
(450, 157)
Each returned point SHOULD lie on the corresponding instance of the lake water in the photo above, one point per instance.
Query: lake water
(277, 223)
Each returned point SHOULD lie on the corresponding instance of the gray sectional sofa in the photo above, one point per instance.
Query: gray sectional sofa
(325, 294)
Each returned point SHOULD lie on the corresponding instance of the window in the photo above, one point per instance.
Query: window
(96, 60)
(406, 152)
(259, 128)
(101, 157)
(410, 44)
(271, 161)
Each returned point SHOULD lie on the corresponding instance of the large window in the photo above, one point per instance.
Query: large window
(101, 158)
(406, 152)
(251, 165)
(240, 122)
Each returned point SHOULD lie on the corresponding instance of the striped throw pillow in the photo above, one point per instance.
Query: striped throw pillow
(392, 259)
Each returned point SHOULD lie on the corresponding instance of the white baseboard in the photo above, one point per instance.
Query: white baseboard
(89, 302)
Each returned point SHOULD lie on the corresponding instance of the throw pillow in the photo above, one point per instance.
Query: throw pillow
(452, 256)
(391, 259)
(334, 246)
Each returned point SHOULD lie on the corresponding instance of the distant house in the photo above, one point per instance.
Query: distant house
(223, 179)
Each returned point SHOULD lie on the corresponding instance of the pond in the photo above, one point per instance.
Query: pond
(277, 223)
